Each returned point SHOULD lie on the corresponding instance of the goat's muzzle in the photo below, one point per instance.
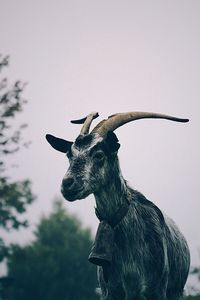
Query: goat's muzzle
(70, 189)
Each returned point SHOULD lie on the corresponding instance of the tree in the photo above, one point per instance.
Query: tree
(55, 265)
(14, 195)
(191, 298)
(195, 273)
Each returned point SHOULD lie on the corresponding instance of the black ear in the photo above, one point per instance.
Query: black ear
(112, 141)
(58, 144)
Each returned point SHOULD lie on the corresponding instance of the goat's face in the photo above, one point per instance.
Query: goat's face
(91, 160)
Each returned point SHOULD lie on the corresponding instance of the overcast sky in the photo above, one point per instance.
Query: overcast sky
(110, 56)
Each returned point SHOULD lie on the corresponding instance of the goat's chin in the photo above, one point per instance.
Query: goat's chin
(76, 195)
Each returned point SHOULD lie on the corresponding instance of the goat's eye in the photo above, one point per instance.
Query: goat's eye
(99, 155)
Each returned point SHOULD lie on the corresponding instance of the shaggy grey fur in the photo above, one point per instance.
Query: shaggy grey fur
(150, 257)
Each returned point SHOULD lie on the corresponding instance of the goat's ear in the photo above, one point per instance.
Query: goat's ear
(58, 144)
(112, 142)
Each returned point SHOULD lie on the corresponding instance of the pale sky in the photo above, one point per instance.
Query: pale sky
(110, 56)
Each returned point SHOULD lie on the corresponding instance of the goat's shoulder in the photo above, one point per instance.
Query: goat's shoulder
(147, 209)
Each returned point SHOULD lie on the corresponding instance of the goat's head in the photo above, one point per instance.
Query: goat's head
(93, 155)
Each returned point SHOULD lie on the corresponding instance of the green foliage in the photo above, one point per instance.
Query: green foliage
(11, 103)
(196, 271)
(14, 196)
(55, 265)
(191, 298)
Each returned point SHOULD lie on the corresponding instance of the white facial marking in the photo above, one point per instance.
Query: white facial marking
(97, 139)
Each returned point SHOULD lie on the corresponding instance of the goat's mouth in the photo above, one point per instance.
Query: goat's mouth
(74, 194)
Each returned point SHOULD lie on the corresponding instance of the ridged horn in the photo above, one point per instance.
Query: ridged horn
(86, 122)
(119, 119)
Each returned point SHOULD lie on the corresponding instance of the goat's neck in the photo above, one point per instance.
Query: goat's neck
(112, 195)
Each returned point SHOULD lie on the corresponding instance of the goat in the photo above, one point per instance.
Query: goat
(140, 252)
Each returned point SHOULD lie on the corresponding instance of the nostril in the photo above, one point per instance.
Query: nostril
(68, 182)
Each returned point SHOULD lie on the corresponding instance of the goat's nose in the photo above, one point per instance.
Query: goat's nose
(68, 182)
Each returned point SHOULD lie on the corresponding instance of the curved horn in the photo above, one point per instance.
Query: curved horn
(86, 122)
(117, 120)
